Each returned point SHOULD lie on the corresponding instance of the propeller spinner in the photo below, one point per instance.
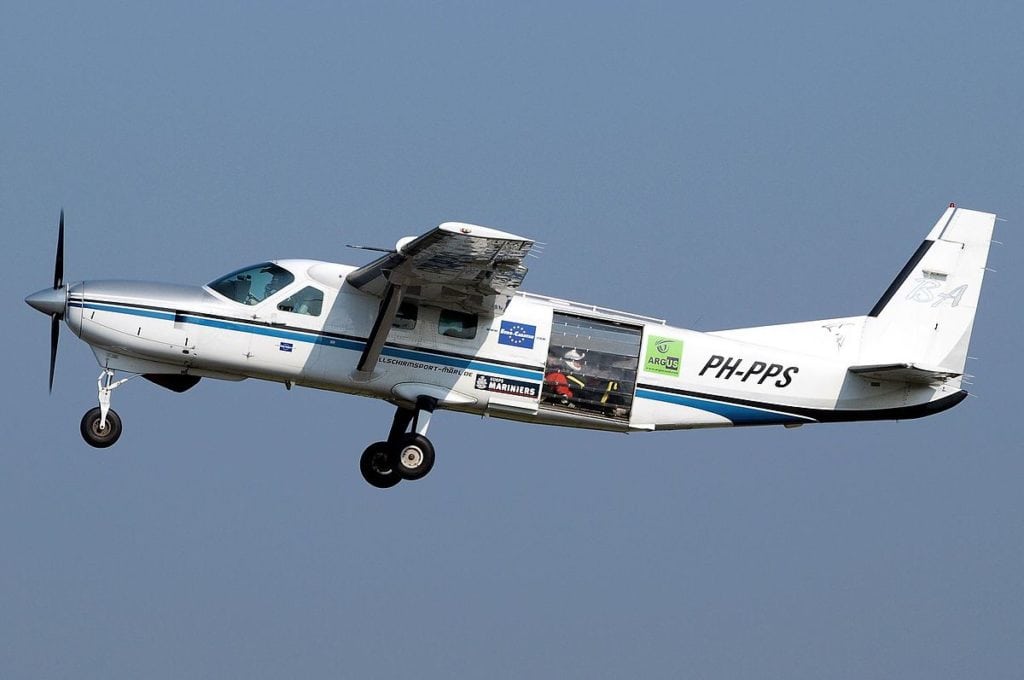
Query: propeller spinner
(53, 301)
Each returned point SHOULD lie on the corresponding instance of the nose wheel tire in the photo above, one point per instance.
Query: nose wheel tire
(376, 466)
(414, 456)
(99, 437)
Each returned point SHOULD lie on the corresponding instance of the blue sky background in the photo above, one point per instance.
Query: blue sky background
(718, 165)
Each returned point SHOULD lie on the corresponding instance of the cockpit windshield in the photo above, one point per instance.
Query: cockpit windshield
(253, 285)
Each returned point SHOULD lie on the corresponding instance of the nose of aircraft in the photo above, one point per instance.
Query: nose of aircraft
(49, 300)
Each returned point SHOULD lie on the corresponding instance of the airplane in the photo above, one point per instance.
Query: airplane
(439, 323)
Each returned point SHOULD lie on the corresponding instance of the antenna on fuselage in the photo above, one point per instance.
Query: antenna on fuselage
(374, 248)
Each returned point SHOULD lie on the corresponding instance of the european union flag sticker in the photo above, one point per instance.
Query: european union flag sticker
(517, 334)
(285, 347)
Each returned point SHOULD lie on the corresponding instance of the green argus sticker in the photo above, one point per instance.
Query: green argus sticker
(663, 356)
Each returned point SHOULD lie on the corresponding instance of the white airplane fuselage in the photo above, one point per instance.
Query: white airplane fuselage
(439, 322)
(664, 377)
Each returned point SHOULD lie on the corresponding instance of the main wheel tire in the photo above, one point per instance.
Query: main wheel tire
(101, 438)
(376, 466)
(414, 456)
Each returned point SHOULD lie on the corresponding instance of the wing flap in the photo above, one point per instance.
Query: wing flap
(913, 374)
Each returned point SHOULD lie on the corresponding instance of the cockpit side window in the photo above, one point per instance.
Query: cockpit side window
(308, 301)
(253, 285)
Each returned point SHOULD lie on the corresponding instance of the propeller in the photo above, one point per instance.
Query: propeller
(58, 264)
(58, 283)
(52, 301)
(54, 336)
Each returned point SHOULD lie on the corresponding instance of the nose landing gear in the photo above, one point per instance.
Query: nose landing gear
(406, 454)
(101, 426)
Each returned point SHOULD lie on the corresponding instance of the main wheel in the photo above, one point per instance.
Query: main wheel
(99, 437)
(376, 466)
(414, 456)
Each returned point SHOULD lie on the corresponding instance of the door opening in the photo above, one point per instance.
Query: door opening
(591, 366)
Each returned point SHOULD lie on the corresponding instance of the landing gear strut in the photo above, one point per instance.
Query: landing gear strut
(101, 426)
(407, 454)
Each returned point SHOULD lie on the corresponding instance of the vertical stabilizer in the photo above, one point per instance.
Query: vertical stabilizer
(926, 315)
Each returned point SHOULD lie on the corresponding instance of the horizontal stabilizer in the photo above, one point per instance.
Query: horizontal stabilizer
(905, 373)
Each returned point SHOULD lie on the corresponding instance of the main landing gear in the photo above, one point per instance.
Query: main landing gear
(407, 453)
(101, 426)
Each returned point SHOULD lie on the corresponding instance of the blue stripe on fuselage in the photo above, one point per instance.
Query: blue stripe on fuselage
(739, 415)
(313, 337)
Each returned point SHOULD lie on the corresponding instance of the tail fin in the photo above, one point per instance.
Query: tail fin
(926, 315)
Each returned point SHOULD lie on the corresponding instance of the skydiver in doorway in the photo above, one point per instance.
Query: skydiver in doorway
(567, 379)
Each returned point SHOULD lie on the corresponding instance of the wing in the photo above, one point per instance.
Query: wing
(461, 266)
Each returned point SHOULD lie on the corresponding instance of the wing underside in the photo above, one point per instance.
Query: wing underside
(462, 266)
(458, 266)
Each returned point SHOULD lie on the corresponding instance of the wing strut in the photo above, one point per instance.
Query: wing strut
(381, 327)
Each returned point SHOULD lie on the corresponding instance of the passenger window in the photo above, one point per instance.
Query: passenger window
(307, 301)
(405, 319)
(454, 324)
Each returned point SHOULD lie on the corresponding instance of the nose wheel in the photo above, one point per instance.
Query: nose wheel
(98, 433)
(407, 454)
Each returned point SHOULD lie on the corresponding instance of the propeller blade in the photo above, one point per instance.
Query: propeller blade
(54, 334)
(58, 265)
